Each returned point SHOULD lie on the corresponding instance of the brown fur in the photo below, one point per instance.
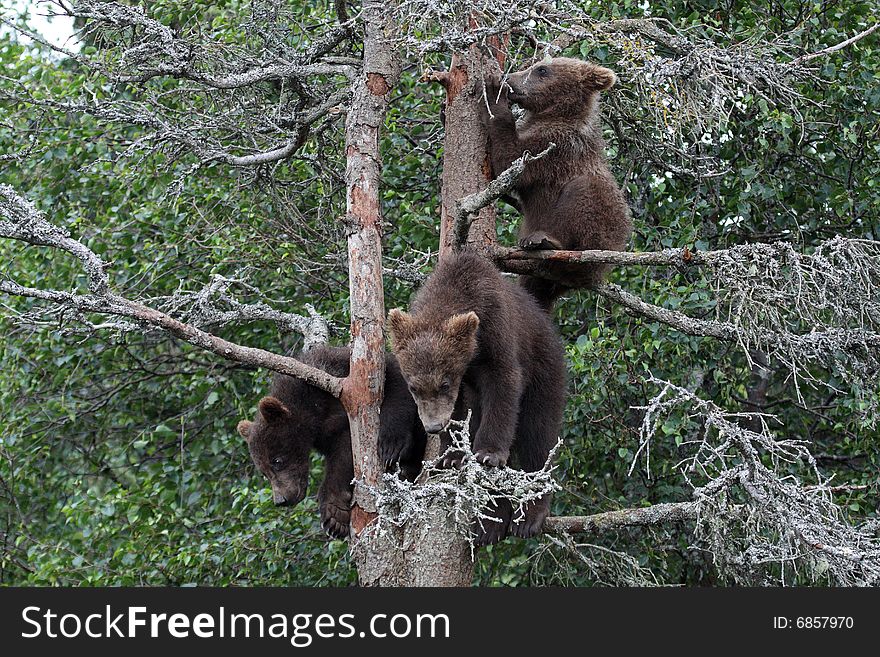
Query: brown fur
(471, 329)
(297, 417)
(569, 198)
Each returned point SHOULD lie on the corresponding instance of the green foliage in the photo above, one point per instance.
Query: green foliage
(119, 460)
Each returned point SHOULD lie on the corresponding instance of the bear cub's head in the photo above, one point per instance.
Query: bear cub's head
(280, 440)
(433, 359)
(561, 86)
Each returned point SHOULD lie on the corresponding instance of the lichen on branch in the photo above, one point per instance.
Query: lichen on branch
(466, 493)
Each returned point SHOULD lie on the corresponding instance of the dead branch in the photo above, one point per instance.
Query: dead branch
(680, 90)
(463, 494)
(677, 320)
(753, 507)
(467, 208)
(519, 260)
(802, 309)
(20, 220)
(839, 46)
(610, 521)
(229, 115)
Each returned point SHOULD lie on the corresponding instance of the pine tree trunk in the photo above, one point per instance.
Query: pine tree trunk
(428, 552)
(466, 168)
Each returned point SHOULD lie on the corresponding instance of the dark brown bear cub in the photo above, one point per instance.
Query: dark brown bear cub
(568, 198)
(298, 417)
(469, 325)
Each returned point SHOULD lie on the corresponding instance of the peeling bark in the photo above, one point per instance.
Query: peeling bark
(427, 553)
(430, 552)
(362, 389)
(436, 554)
(422, 553)
(466, 168)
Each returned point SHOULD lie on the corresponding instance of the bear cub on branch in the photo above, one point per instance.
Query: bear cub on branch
(470, 326)
(569, 198)
(297, 417)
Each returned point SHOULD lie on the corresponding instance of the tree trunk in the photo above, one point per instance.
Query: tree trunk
(363, 388)
(428, 552)
(466, 168)
(421, 554)
(434, 552)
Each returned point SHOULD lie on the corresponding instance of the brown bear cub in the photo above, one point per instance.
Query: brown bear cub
(568, 198)
(469, 325)
(298, 417)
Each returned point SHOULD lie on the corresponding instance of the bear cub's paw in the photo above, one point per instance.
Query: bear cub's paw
(533, 522)
(390, 453)
(336, 516)
(452, 460)
(491, 458)
(488, 532)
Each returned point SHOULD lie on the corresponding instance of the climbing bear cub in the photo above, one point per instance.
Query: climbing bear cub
(569, 198)
(298, 417)
(469, 325)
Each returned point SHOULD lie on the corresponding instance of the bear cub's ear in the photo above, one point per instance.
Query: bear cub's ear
(400, 326)
(600, 78)
(463, 327)
(273, 410)
(244, 429)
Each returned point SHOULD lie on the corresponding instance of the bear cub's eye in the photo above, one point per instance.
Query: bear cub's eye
(444, 387)
(277, 462)
(543, 71)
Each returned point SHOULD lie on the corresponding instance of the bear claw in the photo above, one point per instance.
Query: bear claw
(526, 529)
(335, 528)
(390, 455)
(491, 459)
(335, 518)
(451, 461)
(489, 533)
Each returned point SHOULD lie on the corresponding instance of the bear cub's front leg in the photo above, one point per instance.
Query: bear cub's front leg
(335, 507)
(392, 450)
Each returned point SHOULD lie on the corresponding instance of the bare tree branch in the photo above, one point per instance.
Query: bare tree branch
(20, 220)
(802, 309)
(610, 521)
(679, 321)
(505, 257)
(680, 90)
(214, 306)
(467, 208)
(753, 510)
(853, 350)
(839, 46)
(227, 120)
